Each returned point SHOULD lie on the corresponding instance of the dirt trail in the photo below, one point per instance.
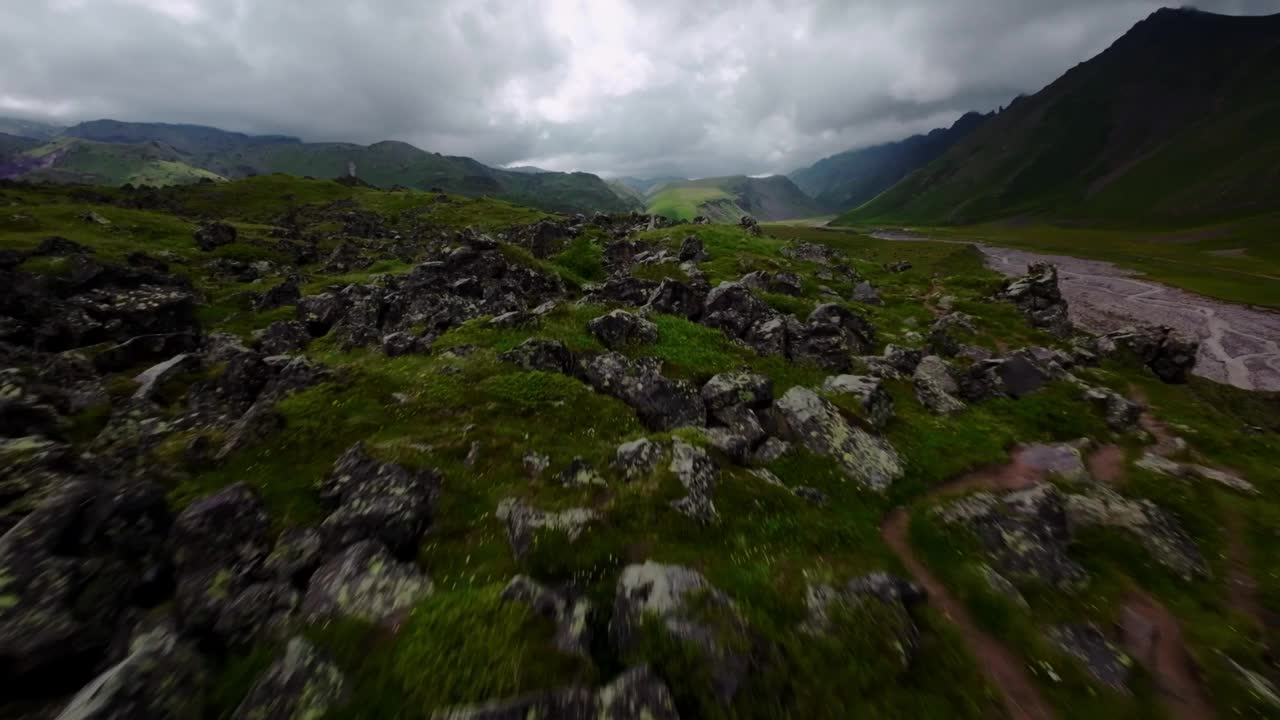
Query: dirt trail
(1002, 667)
(1239, 345)
(1242, 589)
(1152, 636)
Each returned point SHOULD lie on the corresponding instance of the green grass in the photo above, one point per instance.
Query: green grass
(684, 203)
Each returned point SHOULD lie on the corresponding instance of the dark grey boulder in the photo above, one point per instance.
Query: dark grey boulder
(364, 582)
(567, 611)
(539, 354)
(1100, 656)
(160, 678)
(677, 298)
(660, 403)
(283, 337)
(375, 500)
(214, 235)
(301, 683)
(619, 328)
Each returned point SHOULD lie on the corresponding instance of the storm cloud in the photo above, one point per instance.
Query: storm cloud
(610, 86)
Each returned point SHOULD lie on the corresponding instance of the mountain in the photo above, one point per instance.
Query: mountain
(29, 128)
(526, 169)
(13, 144)
(626, 192)
(726, 199)
(1177, 122)
(645, 186)
(849, 179)
(121, 150)
(73, 160)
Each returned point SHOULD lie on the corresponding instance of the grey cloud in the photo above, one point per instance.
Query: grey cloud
(612, 86)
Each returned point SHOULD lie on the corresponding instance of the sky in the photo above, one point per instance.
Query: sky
(652, 87)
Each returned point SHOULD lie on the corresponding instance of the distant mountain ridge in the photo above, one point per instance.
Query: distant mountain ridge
(1178, 122)
(115, 152)
(726, 199)
(848, 179)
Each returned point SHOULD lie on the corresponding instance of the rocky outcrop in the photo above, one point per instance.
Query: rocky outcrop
(935, 388)
(302, 683)
(1040, 300)
(680, 603)
(539, 354)
(524, 523)
(568, 612)
(1158, 531)
(364, 582)
(620, 328)
(660, 403)
(698, 473)
(1026, 533)
(212, 236)
(1167, 354)
(1086, 643)
(160, 678)
(804, 417)
(638, 458)
(875, 401)
(896, 595)
(376, 500)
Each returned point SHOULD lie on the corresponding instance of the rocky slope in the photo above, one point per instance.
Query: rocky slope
(283, 448)
(1174, 124)
(845, 181)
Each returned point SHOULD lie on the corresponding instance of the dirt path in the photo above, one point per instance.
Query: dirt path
(1153, 637)
(1239, 345)
(1242, 589)
(1002, 667)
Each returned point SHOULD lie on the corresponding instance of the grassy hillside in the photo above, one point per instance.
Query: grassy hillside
(30, 128)
(13, 144)
(726, 199)
(1178, 122)
(847, 180)
(70, 160)
(785, 533)
(385, 164)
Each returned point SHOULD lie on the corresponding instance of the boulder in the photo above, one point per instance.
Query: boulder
(698, 474)
(638, 458)
(212, 236)
(935, 388)
(1020, 376)
(1166, 353)
(287, 292)
(302, 683)
(891, 592)
(732, 308)
(1086, 643)
(786, 283)
(660, 403)
(160, 678)
(874, 399)
(524, 522)
(620, 328)
(283, 337)
(750, 225)
(377, 500)
(1121, 413)
(543, 355)
(831, 337)
(625, 289)
(1040, 300)
(1026, 533)
(153, 378)
(676, 298)
(579, 473)
(804, 417)
(679, 602)
(864, 293)
(1158, 531)
(691, 250)
(569, 613)
(364, 582)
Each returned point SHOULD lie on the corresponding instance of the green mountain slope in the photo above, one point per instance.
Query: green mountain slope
(11, 145)
(384, 164)
(851, 178)
(726, 199)
(1177, 122)
(71, 160)
(30, 128)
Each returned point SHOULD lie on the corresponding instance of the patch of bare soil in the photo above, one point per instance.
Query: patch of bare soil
(1152, 636)
(1004, 669)
(1107, 464)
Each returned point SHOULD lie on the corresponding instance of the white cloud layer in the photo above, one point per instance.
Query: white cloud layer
(641, 87)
